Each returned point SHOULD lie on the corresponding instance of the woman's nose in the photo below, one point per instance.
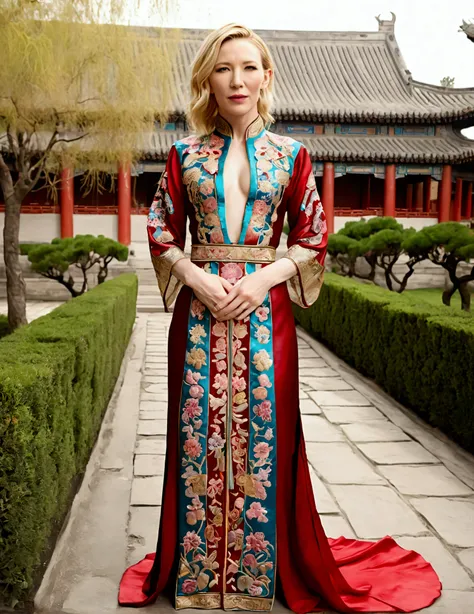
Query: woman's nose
(236, 78)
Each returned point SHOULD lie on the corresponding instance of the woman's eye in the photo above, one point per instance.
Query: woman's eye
(221, 69)
(252, 67)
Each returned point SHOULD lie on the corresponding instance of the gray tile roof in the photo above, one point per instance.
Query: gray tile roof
(339, 76)
(468, 29)
(449, 148)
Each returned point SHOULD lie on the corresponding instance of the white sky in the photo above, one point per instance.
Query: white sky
(427, 31)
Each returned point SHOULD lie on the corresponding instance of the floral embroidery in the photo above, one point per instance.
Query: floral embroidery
(200, 163)
(232, 272)
(161, 206)
(275, 156)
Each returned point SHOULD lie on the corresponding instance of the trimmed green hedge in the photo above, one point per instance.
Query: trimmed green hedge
(56, 377)
(422, 355)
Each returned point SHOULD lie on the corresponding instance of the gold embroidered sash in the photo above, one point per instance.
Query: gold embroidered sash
(221, 252)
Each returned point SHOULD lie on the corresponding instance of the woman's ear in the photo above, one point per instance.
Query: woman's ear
(266, 79)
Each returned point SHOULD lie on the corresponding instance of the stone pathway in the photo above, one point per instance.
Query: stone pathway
(377, 469)
(34, 309)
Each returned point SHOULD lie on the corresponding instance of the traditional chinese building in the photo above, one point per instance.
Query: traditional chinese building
(381, 142)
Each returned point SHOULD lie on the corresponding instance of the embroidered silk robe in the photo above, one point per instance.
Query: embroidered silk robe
(238, 519)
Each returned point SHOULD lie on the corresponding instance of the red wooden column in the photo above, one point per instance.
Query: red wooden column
(124, 203)
(456, 217)
(427, 195)
(328, 194)
(444, 194)
(467, 209)
(390, 191)
(409, 201)
(419, 196)
(67, 202)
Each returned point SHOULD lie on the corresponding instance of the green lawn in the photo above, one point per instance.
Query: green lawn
(433, 296)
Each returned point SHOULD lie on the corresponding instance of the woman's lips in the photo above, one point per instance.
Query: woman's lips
(238, 98)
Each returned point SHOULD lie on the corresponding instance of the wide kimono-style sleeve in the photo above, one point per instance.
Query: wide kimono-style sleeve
(307, 241)
(166, 227)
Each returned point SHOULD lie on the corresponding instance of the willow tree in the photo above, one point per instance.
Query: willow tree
(78, 87)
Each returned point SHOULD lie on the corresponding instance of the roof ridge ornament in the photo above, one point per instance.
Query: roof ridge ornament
(387, 25)
(468, 28)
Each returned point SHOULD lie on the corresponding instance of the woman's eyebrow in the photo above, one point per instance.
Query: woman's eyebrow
(229, 63)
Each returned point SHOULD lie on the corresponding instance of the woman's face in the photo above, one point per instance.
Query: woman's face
(238, 77)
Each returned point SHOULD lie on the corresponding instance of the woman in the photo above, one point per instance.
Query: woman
(239, 520)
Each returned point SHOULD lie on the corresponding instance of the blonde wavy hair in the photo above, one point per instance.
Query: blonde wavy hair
(202, 110)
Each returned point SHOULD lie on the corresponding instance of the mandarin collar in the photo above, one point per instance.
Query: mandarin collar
(253, 129)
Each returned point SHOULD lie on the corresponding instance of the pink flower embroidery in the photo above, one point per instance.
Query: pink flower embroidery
(216, 442)
(262, 450)
(264, 411)
(255, 589)
(191, 541)
(260, 207)
(268, 434)
(192, 447)
(215, 487)
(262, 313)
(258, 512)
(196, 391)
(220, 382)
(221, 365)
(238, 384)
(221, 344)
(249, 560)
(189, 586)
(191, 410)
(219, 329)
(209, 205)
(256, 542)
(217, 236)
(192, 378)
(264, 381)
(197, 309)
(260, 393)
(232, 272)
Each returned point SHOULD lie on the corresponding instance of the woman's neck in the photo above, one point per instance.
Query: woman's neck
(239, 124)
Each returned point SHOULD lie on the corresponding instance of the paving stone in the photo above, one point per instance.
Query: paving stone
(309, 363)
(325, 504)
(339, 398)
(149, 464)
(375, 430)
(146, 491)
(162, 386)
(324, 372)
(151, 427)
(318, 363)
(144, 525)
(427, 480)
(153, 396)
(159, 369)
(153, 379)
(467, 558)
(153, 415)
(155, 372)
(153, 406)
(452, 519)
(163, 360)
(452, 602)
(307, 406)
(303, 394)
(345, 415)
(307, 352)
(376, 511)
(317, 428)
(337, 463)
(451, 574)
(335, 526)
(397, 453)
(325, 383)
(150, 446)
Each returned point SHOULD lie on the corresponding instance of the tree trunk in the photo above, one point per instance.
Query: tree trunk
(16, 289)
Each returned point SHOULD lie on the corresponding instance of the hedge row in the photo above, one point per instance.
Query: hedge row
(422, 355)
(4, 330)
(56, 378)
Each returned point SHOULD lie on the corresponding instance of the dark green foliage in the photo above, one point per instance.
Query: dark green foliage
(4, 329)
(420, 354)
(56, 377)
(83, 251)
